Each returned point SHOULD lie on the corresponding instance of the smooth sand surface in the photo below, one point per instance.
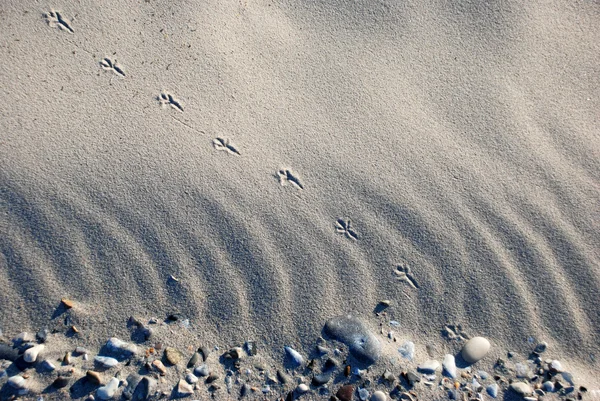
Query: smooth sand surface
(461, 139)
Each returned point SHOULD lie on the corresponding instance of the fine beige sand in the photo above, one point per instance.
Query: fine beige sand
(460, 139)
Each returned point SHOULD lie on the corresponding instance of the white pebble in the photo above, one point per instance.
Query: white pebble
(107, 392)
(475, 349)
(449, 365)
(302, 389)
(430, 366)
(295, 355)
(31, 354)
(106, 361)
(192, 379)
(17, 382)
(407, 350)
(363, 394)
(379, 396)
(49, 366)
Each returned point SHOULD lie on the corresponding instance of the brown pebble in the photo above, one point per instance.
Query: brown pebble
(345, 392)
(93, 377)
(347, 370)
(211, 378)
(160, 367)
(67, 358)
(67, 303)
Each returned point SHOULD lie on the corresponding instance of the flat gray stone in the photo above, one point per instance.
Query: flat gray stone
(492, 390)
(349, 330)
(121, 347)
(106, 361)
(475, 349)
(521, 388)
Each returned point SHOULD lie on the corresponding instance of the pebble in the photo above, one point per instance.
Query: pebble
(191, 378)
(81, 350)
(282, 377)
(322, 350)
(541, 347)
(521, 370)
(31, 354)
(204, 351)
(521, 388)
(302, 389)
(449, 366)
(250, 348)
(61, 382)
(194, 360)
(407, 350)
(17, 382)
(146, 388)
(379, 396)
(48, 366)
(349, 330)
(345, 392)
(122, 347)
(568, 377)
(412, 378)
(160, 367)
(132, 382)
(212, 377)
(173, 355)
(548, 386)
(244, 390)
(106, 361)
(9, 353)
(184, 388)
(67, 303)
(107, 392)
(475, 349)
(321, 379)
(492, 390)
(294, 355)
(556, 366)
(93, 377)
(202, 371)
(429, 366)
(363, 394)
(42, 335)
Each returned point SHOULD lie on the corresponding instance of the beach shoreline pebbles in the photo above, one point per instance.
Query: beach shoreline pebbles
(349, 363)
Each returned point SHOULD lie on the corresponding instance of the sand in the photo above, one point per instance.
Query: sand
(460, 139)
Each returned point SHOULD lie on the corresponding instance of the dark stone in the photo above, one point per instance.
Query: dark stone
(42, 335)
(61, 382)
(244, 390)
(7, 352)
(204, 352)
(330, 364)
(345, 392)
(211, 378)
(194, 360)
(132, 382)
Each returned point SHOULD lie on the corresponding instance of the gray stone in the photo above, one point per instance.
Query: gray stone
(121, 347)
(194, 360)
(321, 379)
(107, 392)
(191, 378)
(132, 382)
(556, 366)
(363, 344)
(363, 394)
(47, 366)
(548, 386)
(521, 388)
(475, 349)
(429, 367)
(407, 350)
(449, 365)
(202, 371)
(492, 390)
(106, 361)
(145, 389)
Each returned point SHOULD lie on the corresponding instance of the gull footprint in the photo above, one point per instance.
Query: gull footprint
(107, 64)
(224, 144)
(404, 273)
(287, 176)
(455, 332)
(345, 227)
(55, 19)
(167, 99)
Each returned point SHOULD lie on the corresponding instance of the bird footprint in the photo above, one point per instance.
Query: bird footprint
(107, 64)
(455, 332)
(166, 99)
(55, 19)
(345, 227)
(225, 145)
(404, 273)
(286, 176)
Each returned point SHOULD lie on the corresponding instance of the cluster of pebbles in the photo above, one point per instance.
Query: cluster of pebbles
(349, 363)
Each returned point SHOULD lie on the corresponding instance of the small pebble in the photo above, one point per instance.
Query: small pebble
(568, 378)
(17, 382)
(160, 367)
(173, 355)
(107, 392)
(294, 356)
(428, 367)
(548, 386)
(184, 388)
(93, 377)
(106, 361)
(202, 371)
(556, 366)
(131, 384)
(492, 390)
(42, 335)
(345, 392)
(67, 303)
(521, 370)
(449, 366)
(61, 382)
(302, 389)
(541, 347)
(122, 347)
(31, 354)
(191, 378)
(81, 350)
(48, 366)
(475, 349)
(321, 379)
(363, 394)
(351, 331)
(521, 388)
(379, 396)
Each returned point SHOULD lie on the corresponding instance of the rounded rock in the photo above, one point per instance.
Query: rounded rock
(541, 347)
(31, 354)
(294, 355)
(548, 386)
(173, 355)
(379, 396)
(521, 388)
(345, 392)
(475, 349)
(202, 371)
(17, 382)
(302, 389)
(106, 361)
